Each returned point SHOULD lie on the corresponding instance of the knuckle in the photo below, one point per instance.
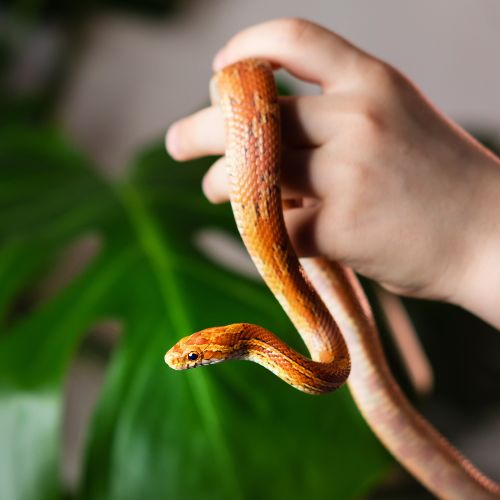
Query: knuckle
(361, 178)
(294, 29)
(358, 176)
(382, 76)
(370, 121)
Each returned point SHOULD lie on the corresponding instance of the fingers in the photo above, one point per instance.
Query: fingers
(215, 183)
(200, 134)
(307, 50)
(306, 121)
(308, 229)
(302, 223)
(303, 175)
(301, 227)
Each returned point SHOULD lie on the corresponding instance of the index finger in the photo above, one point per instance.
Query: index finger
(305, 49)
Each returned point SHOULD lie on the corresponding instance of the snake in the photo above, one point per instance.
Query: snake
(323, 299)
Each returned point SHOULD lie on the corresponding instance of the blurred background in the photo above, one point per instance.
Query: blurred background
(109, 254)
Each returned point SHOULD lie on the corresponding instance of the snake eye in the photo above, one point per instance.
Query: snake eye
(192, 356)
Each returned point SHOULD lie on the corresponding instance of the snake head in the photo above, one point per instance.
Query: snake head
(201, 348)
(206, 347)
(179, 357)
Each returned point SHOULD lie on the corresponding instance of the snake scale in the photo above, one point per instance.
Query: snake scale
(312, 292)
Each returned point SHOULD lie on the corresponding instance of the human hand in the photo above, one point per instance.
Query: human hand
(400, 193)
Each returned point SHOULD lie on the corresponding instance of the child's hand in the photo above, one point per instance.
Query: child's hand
(404, 196)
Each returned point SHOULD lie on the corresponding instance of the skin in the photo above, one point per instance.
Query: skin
(394, 189)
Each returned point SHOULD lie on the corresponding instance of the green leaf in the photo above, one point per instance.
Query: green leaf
(230, 431)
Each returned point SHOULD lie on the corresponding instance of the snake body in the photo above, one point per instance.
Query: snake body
(312, 293)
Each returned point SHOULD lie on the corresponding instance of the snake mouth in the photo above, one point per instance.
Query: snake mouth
(172, 360)
(212, 361)
(178, 358)
(175, 359)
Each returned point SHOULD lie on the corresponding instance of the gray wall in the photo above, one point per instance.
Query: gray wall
(135, 77)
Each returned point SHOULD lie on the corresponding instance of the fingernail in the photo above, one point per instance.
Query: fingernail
(219, 60)
(172, 141)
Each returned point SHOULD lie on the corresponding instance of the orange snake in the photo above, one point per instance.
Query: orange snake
(312, 293)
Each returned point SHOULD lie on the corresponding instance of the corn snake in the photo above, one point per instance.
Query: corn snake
(312, 293)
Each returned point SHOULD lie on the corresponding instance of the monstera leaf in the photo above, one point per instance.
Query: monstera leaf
(229, 431)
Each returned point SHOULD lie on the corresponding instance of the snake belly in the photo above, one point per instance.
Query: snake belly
(312, 294)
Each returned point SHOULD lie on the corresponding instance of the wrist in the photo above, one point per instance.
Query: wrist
(477, 280)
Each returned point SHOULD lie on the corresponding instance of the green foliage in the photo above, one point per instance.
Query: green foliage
(229, 431)
(60, 10)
